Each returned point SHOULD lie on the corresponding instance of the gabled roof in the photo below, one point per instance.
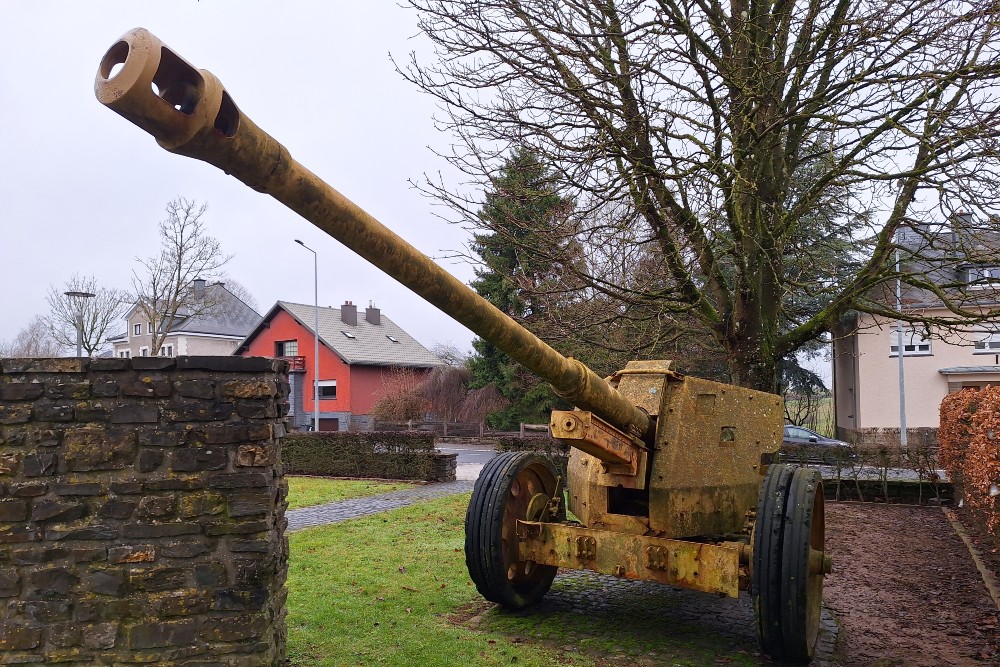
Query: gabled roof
(383, 344)
(228, 316)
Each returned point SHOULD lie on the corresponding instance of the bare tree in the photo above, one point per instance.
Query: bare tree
(164, 285)
(445, 389)
(449, 354)
(704, 137)
(91, 316)
(400, 398)
(240, 291)
(33, 341)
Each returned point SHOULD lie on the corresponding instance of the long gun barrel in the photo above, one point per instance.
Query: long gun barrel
(189, 112)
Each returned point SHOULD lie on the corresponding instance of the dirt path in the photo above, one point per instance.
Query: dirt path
(905, 590)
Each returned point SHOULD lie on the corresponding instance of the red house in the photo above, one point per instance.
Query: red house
(355, 359)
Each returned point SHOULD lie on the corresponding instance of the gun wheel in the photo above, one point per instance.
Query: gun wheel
(511, 487)
(789, 562)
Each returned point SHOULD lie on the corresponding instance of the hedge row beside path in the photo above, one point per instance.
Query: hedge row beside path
(543, 444)
(970, 448)
(406, 456)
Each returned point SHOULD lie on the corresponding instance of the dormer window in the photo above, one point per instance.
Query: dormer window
(348, 334)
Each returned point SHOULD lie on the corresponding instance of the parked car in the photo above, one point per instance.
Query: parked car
(803, 445)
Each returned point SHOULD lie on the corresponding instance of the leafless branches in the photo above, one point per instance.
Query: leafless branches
(93, 316)
(164, 285)
(706, 139)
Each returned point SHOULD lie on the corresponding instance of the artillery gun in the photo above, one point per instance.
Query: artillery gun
(672, 478)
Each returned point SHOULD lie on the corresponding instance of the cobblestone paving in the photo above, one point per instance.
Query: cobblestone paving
(319, 515)
(608, 601)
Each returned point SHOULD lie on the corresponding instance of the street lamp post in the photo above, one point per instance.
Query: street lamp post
(79, 317)
(900, 348)
(316, 335)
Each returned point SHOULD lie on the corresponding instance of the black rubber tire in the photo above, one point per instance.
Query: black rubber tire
(787, 598)
(765, 571)
(802, 592)
(498, 501)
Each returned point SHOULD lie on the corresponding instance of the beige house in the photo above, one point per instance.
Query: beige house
(866, 371)
(936, 362)
(216, 332)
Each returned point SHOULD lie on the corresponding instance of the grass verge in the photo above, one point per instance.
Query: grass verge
(379, 591)
(392, 589)
(308, 491)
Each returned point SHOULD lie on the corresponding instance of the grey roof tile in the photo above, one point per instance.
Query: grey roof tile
(371, 343)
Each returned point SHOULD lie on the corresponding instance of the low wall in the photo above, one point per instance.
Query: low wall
(879, 437)
(407, 456)
(142, 512)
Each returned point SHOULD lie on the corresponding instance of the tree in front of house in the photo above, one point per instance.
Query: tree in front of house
(400, 397)
(92, 317)
(34, 340)
(163, 285)
(702, 137)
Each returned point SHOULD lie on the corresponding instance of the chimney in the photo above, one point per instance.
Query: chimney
(349, 314)
(372, 314)
(199, 288)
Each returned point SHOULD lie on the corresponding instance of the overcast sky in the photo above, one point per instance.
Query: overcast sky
(82, 189)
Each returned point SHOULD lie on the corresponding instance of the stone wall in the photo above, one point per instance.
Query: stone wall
(142, 511)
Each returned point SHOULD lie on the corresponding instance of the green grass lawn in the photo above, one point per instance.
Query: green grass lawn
(308, 491)
(392, 589)
(379, 590)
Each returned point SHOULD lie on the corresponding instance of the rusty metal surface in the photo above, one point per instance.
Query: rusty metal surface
(713, 568)
(193, 115)
(587, 432)
(707, 469)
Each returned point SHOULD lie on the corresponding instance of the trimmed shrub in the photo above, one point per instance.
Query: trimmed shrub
(409, 455)
(543, 444)
(971, 422)
(955, 432)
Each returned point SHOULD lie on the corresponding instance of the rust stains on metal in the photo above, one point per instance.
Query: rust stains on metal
(591, 434)
(713, 568)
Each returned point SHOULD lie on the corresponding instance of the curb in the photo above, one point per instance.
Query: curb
(988, 579)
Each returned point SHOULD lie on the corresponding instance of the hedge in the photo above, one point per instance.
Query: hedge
(542, 444)
(970, 448)
(409, 455)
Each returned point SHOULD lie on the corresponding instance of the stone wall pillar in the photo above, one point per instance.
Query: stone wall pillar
(142, 511)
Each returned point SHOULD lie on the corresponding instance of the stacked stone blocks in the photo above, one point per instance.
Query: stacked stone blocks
(142, 511)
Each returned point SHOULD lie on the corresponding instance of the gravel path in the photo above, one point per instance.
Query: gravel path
(343, 510)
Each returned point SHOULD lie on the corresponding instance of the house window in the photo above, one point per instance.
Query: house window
(125, 354)
(137, 330)
(143, 351)
(988, 343)
(392, 338)
(327, 389)
(166, 350)
(348, 334)
(983, 277)
(286, 348)
(915, 343)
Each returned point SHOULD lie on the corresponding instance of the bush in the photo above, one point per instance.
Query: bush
(543, 444)
(970, 427)
(408, 455)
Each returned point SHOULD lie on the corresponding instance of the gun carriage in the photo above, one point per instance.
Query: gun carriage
(672, 478)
